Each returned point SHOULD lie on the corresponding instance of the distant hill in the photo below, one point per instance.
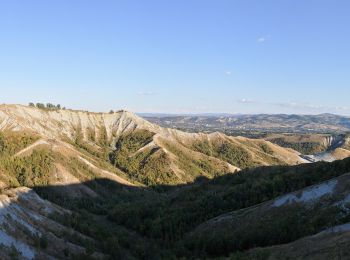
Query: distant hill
(323, 123)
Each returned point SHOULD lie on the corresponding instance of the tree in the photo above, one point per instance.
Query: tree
(50, 106)
(111, 111)
(40, 105)
(31, 104)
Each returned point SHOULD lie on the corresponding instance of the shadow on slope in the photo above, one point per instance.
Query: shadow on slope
(145, 223)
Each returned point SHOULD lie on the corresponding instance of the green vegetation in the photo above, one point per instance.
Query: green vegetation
(236, 154)
(13, 142)
(302, 147)
(103, 137)
(203, 146)
(168, 220)
(100, 149)
(195, 166)
(133, 141)
(226, 151)
(91, 134)
(31, 170)
(151, 166)
(250, 230)
(266, 149)
(21, 171)
(40, 241)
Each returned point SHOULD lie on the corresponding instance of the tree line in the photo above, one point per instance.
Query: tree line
(48, 106)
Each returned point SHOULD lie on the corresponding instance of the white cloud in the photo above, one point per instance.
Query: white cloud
(228, 73)
(145, 93)
(246, 101)
(261, 39)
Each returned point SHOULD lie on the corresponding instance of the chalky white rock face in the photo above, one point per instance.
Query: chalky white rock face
(54, 124)
(308, 195)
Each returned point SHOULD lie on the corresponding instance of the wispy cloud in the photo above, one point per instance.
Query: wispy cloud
(246, 101)
(263, 39)
(146, 93)
(228, 72)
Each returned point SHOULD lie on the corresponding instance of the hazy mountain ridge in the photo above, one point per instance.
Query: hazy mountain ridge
(323, 123)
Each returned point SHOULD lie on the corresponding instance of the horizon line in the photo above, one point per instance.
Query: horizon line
(171, 114)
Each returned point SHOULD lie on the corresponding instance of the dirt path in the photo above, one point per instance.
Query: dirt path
(105, 173)
(32, 146)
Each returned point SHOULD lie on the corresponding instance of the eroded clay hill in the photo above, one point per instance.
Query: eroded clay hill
(131, 150)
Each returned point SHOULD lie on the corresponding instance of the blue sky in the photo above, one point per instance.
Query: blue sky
(178, 56)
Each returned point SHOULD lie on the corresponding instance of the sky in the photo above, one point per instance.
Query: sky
(178, 56)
